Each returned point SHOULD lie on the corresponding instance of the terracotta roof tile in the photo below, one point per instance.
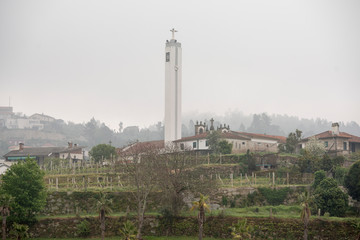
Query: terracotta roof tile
(141, 146)
(281, 139)
(329, 134)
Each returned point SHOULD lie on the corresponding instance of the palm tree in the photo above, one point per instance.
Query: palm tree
(241, 230)
(128, 231)
(201, 205)
(5, 203)
(103, 207)
(305, 212)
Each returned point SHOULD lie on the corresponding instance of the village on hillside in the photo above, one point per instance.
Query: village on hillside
(201, 170)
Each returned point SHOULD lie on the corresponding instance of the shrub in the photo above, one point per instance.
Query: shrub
(128, 231)
(19, 231)
(340, 174)
(329, 198)
(241, 230)
(319, 176)
(274, 196)
(352, 181)
(224, 201)
(83, 228)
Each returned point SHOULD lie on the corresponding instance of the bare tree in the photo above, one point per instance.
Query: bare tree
(178, 175)
(140, 164)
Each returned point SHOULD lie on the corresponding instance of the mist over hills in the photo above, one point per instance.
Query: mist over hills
(94, 132)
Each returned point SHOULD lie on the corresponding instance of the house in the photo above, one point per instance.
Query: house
(3, 168)
(336, 142)
(73, 151)
(23, 123)
(241, 141)
(134, 150)
(42, 118)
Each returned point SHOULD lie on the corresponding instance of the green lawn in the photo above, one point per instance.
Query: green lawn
(281, 211)
(145, 238)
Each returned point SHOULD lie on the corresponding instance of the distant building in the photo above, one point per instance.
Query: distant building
(6, 112)
(42, 118)
(23, 123)
(73, 151)
(241, 141)
(3, 168)
(335, 142)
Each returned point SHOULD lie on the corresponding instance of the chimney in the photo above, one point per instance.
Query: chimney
(21, 146)
(335, 128)
(70, 144)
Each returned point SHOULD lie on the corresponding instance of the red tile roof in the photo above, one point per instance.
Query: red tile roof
(329, 134)
(141, 146)
(236, 135)
(281, 139)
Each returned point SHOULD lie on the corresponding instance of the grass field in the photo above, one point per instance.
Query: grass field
(281, 211)
(145, 238)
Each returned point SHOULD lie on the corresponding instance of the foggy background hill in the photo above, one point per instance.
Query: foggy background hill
(94, 132)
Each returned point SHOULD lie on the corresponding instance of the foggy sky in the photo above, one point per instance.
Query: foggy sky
(105, 59)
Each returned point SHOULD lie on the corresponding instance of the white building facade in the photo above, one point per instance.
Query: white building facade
(173, 69)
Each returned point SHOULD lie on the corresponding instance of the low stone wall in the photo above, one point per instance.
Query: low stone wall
(61, 203)
(215, 226)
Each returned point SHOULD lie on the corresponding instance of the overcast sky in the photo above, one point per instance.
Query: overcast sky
(76, 60)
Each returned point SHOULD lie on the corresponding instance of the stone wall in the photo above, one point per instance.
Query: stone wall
(215, 226)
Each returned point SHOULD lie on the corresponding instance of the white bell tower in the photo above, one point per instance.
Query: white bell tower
(173, 69)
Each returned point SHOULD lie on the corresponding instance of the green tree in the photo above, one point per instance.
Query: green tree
(326, 163)
(213, 140)
(24, 181)
(352, 181)
(103, 206)
(202, 206)
(225, 147)
(5, 206)
(309, 162)
(329, 198)
(292, 141)
(319, 176)
(251, 162)
(102, 151)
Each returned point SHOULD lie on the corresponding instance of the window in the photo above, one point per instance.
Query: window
(194, 144)
(243, 143)
(206, 143)
(168, 56)
(345, 145)
(326, 144)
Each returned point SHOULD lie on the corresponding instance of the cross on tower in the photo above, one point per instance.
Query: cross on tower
(173, 33)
